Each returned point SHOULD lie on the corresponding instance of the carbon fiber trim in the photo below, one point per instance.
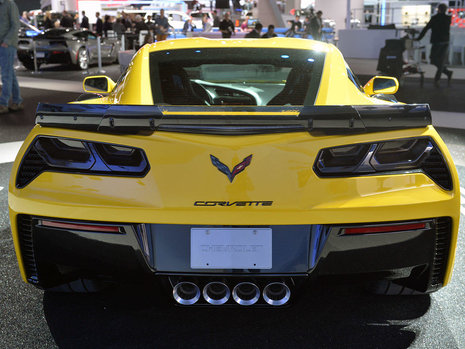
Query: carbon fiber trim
(135, 119)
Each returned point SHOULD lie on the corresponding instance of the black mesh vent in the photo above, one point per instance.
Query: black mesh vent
(436, 168)
(441, 251)
(27, 248)
(31, 166)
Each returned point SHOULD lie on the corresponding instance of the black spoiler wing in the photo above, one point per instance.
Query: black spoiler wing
(135, 119)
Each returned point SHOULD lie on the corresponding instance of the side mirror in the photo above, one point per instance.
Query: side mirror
(381, 84)
(98, 84)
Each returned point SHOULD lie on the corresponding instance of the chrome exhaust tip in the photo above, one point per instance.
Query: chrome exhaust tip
(276, 293)
(246, 293)
(186, 293)
(216, 293)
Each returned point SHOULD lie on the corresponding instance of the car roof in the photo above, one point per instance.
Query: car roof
(290, 43)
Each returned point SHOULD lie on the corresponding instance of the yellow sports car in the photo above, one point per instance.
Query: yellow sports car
(233, 171)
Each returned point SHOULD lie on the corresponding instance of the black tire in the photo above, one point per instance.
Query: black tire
(29, 64)
(80, 286)
(391, 288)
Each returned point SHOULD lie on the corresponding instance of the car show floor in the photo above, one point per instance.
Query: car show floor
(331, 313)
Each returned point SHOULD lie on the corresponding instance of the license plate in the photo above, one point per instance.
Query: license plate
(231, 248)
(40, 54)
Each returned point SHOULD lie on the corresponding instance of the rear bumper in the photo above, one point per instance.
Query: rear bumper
(45, 57)
(52, 255)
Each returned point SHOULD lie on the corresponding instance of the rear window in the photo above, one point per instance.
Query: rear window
(235, 76)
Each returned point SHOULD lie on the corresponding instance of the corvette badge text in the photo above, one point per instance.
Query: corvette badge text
(233, 203)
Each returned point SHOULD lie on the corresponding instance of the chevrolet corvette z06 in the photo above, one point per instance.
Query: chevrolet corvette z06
(232, 171)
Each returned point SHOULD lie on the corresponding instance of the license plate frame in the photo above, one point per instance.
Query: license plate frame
(231, 248)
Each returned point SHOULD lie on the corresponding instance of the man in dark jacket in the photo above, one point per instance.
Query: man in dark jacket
(440, 35)
(66, 20)
(9, 26)
(270, 33)
(216, 19)
(255, 33)
(85, 21)
(296, 25)
(316, 25)
(98, 24)
(226, 26)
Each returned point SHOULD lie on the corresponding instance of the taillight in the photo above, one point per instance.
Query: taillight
(97, 228)
(69, 153)
(405, 153)
(383, 228)
(79, 156)
(419, 154)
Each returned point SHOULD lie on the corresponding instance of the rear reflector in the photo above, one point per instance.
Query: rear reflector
(84, 227)
(384, 228)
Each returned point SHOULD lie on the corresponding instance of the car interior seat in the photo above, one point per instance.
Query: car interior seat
(177, 88)
(295, 89)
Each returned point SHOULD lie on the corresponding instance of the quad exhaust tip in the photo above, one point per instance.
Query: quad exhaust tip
(246, 293)
(186, 293)
(276, 293)
(216, 293)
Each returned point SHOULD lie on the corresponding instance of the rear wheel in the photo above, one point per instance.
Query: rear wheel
(83, 59)
(29, 64)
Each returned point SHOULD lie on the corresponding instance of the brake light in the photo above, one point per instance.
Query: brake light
(83, 227)
(384, 228)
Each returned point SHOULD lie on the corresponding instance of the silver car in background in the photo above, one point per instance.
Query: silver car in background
(67, 46)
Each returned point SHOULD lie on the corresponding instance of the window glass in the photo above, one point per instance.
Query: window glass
(254, 76)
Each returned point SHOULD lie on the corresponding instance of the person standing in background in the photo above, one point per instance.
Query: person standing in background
(25, 18)
(316, 26)
(85, 21)
(226, 26)
(255, 33)
(162, 26)
(140, 25)
(119, 28)
(107, 25)
(206, 25)
(48, 24)
(216, 19)
(126, 21)
(188, 26)
(150, 23)
(66, 20)
(9, 26)
(270, 33)
(440, 36)
(296, 26)
(306, 27)
(98, 24)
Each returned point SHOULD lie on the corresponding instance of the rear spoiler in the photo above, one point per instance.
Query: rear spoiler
(135, 119)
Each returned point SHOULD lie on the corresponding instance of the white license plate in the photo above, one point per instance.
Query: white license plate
(40, 54)
(231, 248)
